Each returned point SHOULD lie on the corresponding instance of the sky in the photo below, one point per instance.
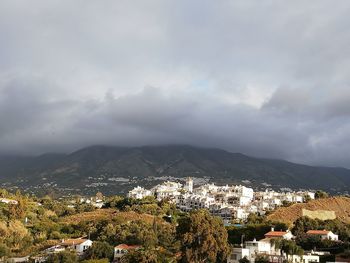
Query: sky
(265, 78)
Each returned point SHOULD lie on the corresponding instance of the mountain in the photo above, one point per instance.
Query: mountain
(117, 169)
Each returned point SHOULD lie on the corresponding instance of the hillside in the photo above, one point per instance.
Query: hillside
(340, 205)
(117, 169)
(107, 215)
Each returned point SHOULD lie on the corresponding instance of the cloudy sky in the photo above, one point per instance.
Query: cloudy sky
(265, 78)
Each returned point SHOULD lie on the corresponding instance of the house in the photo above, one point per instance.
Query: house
(54, 249)
(8, 201)
(122, 249)
(139, 193)
(80, 245)
(279, 234)
(252, 249)
(324, 234)
(237, 254)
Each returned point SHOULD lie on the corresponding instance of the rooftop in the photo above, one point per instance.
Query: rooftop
(317, 232)
(275, 234)
(71, 242)
(127, 247)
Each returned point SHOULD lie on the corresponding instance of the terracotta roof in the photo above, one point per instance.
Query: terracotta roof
(71, 242)
(317, 232)
(275, 234)
(125, 246)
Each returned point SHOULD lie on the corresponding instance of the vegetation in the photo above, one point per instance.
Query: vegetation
(252, 230)
(262, 259)
(63, 257)
(203, 238)
(303, 224)
(244, 260)
(321, 194)
(164, 233)
(100, 250)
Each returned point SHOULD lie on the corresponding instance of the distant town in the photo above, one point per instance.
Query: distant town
(229, 202)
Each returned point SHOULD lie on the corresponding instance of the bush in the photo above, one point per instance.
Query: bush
(100, 250)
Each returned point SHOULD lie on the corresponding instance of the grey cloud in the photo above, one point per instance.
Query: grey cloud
(264, 78)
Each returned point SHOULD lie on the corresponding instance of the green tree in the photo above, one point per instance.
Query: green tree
(100, 250)
(203, 238)
(287, 246)
(254, 218)
(4, 251)
(262, 259)
(103, 260)
(142, 256)
(320, 194)
(304, 224)
(63, 257)
(244, 260)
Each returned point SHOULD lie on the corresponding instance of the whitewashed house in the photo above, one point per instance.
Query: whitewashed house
(8, 201)
(167, 190)
(279, 234)
(122, 249)
(324, 234)
(237, 254)
(139, 193)
(80, 245)
(252, 249)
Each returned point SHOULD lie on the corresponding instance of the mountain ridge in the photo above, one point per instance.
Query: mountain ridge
(95, 168)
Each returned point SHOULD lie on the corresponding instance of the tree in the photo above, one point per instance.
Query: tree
(254, 218)
(303, 224)
(320, 194)
(244, 260)
(262, 259)
(100, 250)
(203, 238)
(103, 260)
(63, 257)
(4, 251)
(142, 256)
(288, 246)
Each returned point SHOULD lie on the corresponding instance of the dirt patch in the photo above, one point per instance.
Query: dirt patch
(340, 206)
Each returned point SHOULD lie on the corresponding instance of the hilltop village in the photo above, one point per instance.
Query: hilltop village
(171, 222)
(229, 202)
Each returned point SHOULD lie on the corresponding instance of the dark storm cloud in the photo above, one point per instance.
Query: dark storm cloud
(265, 78)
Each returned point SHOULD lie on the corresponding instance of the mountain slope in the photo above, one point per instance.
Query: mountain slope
(119, 168)
(288, 215)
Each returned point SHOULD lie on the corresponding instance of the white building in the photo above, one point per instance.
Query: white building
(80, 245)
(307, 258)
(122, 249)
(237, 254)
(228, 202)
(279, 234)
(252, 249)
(139, 193)
(189, 185)
(54, 249)
(324, 234)
(8, 201)
(170, 190)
